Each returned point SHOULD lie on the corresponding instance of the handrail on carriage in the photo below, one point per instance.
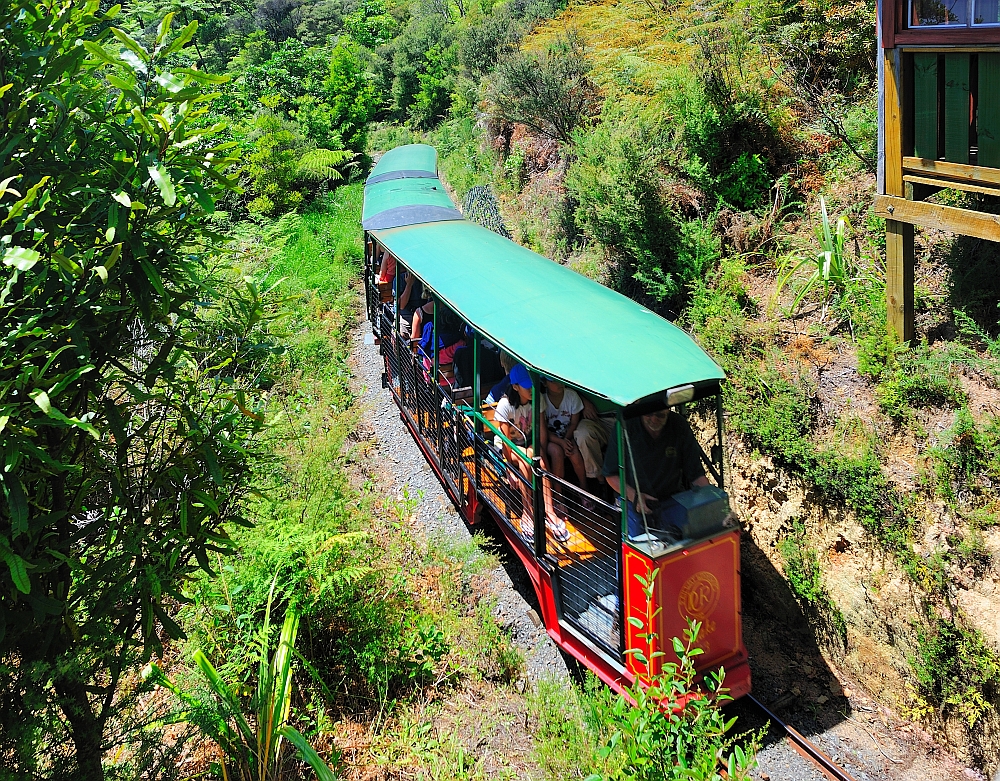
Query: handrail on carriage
(467, 410)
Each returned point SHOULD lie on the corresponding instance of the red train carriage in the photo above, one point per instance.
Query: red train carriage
(492, 304)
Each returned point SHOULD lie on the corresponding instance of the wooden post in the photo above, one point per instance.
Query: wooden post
(899, 256)
(899, 262)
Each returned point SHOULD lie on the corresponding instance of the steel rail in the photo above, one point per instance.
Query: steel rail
(805, 747)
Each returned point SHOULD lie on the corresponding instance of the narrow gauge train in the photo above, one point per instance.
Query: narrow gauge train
(622, 359)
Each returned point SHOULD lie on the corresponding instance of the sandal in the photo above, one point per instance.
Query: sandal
(526, 528)
(559, 531)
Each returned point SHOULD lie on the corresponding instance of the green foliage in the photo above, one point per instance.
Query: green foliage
(551, 92)
(371, 24)
(805, 576)
(718, 310)
(673, 728)
(621, 203)
(424, 48)
(253, 748)
(571, 726)
(126, 440)
(350, 98)
(966, 460)
(746, 182)
(956, 670)
(461, 158)
(283, 165)
(831, 268)
(436, 83)
(920, 377)
(802, 566)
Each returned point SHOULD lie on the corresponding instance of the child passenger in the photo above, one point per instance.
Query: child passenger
(514, 416)
(563, 410)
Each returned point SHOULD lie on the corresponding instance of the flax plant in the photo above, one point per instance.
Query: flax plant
(831, 267)
(252, 749)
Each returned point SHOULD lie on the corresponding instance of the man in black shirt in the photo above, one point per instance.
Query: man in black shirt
(665, 460)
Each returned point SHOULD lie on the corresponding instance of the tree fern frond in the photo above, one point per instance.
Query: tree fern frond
(321, 164)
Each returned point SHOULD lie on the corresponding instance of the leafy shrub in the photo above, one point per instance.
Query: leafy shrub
(571, 727)
(745, 183)
(371, 24)
(284, 167)
(252, 747)
(550, 92)
(831, 267)
(621, 202)
(483, 45)
(967, 458)
(805, 576)
(920, 377)
(673, 728)
(127, 451)
(956, 669)
(802, 566)
(404, 60)
(436, 81)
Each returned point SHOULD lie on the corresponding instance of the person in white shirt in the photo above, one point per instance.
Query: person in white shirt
(563, 411)
(514, 415)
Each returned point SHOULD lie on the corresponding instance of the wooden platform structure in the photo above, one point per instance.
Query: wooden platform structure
(939, 128)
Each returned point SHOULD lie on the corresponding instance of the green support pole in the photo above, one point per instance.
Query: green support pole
(395, 332)
(719, 421)
(434, 381)
(620, 434)
(477, 405)
(538, 499)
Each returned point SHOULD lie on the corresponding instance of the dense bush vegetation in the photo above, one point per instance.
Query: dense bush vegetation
(179, 250)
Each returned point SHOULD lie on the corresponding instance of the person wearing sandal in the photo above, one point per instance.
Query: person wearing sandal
(514, 416)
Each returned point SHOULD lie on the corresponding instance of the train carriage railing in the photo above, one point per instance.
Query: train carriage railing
(462, 443)
(587, 584)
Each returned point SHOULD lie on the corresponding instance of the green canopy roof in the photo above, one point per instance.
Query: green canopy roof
(395, 202)
(555, 320)
(413, 161)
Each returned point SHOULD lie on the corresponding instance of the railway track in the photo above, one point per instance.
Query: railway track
(808, 750)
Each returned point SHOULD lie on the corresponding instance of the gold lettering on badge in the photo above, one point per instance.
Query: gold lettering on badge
(699, 596)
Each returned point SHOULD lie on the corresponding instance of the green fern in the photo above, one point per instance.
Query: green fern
(324, 164)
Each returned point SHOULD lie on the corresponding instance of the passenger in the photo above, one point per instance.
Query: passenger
(497, 392)
(410, 300)
(421, 315)
(665, 460)
(387, 269)
(490, 368)
(563, 408)
(449, 339)
(591, 438)
(514, 416)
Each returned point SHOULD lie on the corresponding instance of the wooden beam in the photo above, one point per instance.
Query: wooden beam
(946, 218)
(899, 262)
(943, 184)
(893, 126)
(965, 173)
(962, 36)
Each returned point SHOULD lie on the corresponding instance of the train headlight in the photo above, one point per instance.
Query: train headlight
(680, 395)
